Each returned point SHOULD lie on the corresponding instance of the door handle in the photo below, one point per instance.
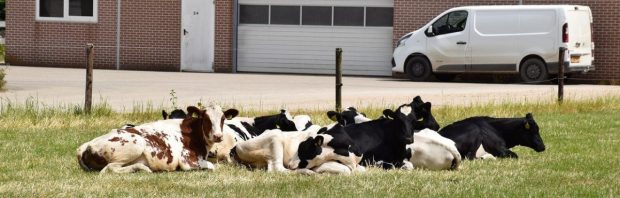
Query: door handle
(185, 32)
(461, 43)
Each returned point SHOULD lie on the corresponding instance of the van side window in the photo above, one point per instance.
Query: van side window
(450, 23)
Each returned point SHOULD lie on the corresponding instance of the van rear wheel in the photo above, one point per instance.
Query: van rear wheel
(418, 69)
(533, 70)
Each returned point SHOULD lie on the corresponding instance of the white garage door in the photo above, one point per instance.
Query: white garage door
(295, 36)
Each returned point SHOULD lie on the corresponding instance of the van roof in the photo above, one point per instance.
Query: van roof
(511, 7)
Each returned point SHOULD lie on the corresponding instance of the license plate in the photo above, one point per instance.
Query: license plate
(575, 59)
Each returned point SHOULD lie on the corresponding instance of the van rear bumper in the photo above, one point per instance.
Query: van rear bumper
(552, 68)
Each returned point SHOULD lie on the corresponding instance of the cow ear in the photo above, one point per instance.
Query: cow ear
(318, 141)
(191, 110)
(364, 114)
(427, 106)
(388, 113)
(417, 99)
(283, 111)
(332, 115)
(529, 116)
(164, 114)
(231, 113)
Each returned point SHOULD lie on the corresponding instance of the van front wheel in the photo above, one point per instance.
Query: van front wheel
(419, 69)
(533, 70)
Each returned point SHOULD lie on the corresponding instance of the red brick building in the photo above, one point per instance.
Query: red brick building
(152, 34)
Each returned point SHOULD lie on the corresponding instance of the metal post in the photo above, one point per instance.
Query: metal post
(338, 79)
(561, 75)
(88, 98)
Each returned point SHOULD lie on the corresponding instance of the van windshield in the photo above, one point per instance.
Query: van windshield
(450, 23)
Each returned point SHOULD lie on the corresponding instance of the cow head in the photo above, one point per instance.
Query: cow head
(349, 115)
(423, 111)
(285, 121)
(331, 145)
(208, 121)
(175, 114)
(528, 133)
(405, 115)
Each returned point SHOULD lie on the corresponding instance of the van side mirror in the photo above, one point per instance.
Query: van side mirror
(429, 31)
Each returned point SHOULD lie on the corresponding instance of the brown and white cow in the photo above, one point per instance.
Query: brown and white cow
(165, 145)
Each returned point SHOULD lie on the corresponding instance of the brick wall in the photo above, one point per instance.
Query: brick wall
(223, 36)
(410, 15)
(150, 36)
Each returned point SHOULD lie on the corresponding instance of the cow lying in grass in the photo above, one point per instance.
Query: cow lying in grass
(241, 129)
(429, 150)
(280, 151)
(379, 140)
(165, 145)
(494, 135)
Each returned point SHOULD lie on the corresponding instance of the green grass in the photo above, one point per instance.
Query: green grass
(38, 143)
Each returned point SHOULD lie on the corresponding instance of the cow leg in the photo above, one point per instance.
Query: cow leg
(511, 154)
(276, 161)
(482, 154)
(119, 168)
(305, 171)
(333, 168)
(205, 164)
(498, 148)
(407, 165)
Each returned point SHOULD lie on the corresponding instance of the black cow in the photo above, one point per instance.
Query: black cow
(495, 135)
(383, 139)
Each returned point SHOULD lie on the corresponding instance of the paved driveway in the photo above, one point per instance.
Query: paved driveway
(123, 89)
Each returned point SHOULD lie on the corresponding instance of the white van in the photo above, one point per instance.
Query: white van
(519, 39)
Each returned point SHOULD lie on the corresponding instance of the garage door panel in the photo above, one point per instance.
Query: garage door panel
(311, 63)
(316, 57)
(283, 67)
(317, 71)
(310, 49)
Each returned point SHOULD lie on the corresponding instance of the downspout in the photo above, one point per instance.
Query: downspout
(235, 33)
(118, 34)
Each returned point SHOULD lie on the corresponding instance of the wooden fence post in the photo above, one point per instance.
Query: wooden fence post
(88, 98)
(561, 75)
(338, 79)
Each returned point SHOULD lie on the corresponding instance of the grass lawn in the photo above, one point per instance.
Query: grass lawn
(38, 145)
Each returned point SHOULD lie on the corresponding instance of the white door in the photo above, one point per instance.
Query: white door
(197, 35)
(448, 46)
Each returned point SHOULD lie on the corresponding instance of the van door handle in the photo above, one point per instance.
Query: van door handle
(461, 43)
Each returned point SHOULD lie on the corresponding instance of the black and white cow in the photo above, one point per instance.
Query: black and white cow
(280, 151)
(495, 135)
(283, 121)
(241, 129)
(165, 145)
(429, 150)
(384, 139)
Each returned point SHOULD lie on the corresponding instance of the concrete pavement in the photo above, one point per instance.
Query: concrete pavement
(124, 89)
